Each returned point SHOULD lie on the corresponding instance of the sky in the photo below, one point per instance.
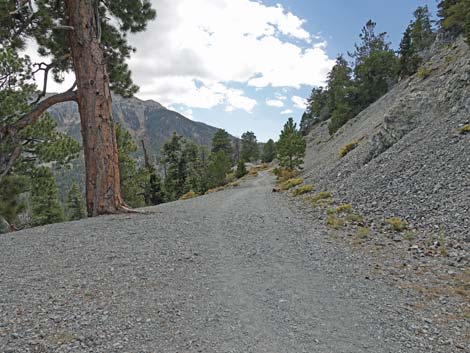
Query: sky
(246, 65)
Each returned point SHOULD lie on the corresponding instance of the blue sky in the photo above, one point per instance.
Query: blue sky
(337, 22)
(249, 65)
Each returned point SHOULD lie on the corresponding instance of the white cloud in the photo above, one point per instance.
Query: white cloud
(196, 49)
(275, 103)
(287, 112)
(299, 102)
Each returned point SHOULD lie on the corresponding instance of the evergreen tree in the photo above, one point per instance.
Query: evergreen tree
(269, 151)
(250, 150)
(175, 168)
(153, 188)
(455, 17)
(89, 38)
(376, 66)
(221, 142)
(291, 146)
(421, 29)
(132, 178)
(219, 165)
(409, 58)
(11, 205)
(318, 106)
(75, 205)
(45, 204)
(153, 191)
(341, 97)
(241, 169)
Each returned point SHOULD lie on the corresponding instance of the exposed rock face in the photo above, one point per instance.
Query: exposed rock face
(411, 161)
(146, 120)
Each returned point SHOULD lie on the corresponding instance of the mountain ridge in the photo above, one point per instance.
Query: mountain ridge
(146, 120)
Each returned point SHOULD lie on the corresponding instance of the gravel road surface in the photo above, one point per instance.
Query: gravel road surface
(235, 271)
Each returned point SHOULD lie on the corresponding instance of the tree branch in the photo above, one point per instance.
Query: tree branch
(41, 107)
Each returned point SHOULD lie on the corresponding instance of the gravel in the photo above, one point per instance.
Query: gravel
(234, 271)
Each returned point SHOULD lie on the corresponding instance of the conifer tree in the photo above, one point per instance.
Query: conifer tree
(218, 168)
(376, 66)
(132, 178)
(221, 142)
(291, 146)
(89, 38)
(269, 151)
(421, 29)
(45, 204)
(241, 169)
(250, 150)
(409, 58)
(175, 167)
(455, 17)
(75, 206)
(11, 205)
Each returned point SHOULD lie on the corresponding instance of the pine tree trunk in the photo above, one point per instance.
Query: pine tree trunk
(103, 193)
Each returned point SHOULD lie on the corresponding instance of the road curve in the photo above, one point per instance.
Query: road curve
(235, 271)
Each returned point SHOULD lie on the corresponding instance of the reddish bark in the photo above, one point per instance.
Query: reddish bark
(103, 193)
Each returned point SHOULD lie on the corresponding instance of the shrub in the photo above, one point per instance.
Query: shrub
(323, 198)
(264, 166)
(362, 232)
(303, 190)
(189, 195)
(354, 217)
(289, 184)
(253, 172)
(348, 148)
(230, 177)
(334, 222)
(284, 174)
(424, 72)
(397, 224)
(331, 211)
(345, 208)
(465, 129)
(241, 169)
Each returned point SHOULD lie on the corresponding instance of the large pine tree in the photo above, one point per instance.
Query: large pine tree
(87, 37)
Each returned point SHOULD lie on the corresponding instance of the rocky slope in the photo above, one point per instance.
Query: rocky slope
(146, 120)
(411, 161)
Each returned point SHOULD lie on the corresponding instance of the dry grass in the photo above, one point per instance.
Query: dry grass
(289, 184)
(397, 224)
(189, 195)
(304, 189)
(285, 174)
(345, 208)
(322, 199)
(464, 130)
(335, 222)
(348, 148)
